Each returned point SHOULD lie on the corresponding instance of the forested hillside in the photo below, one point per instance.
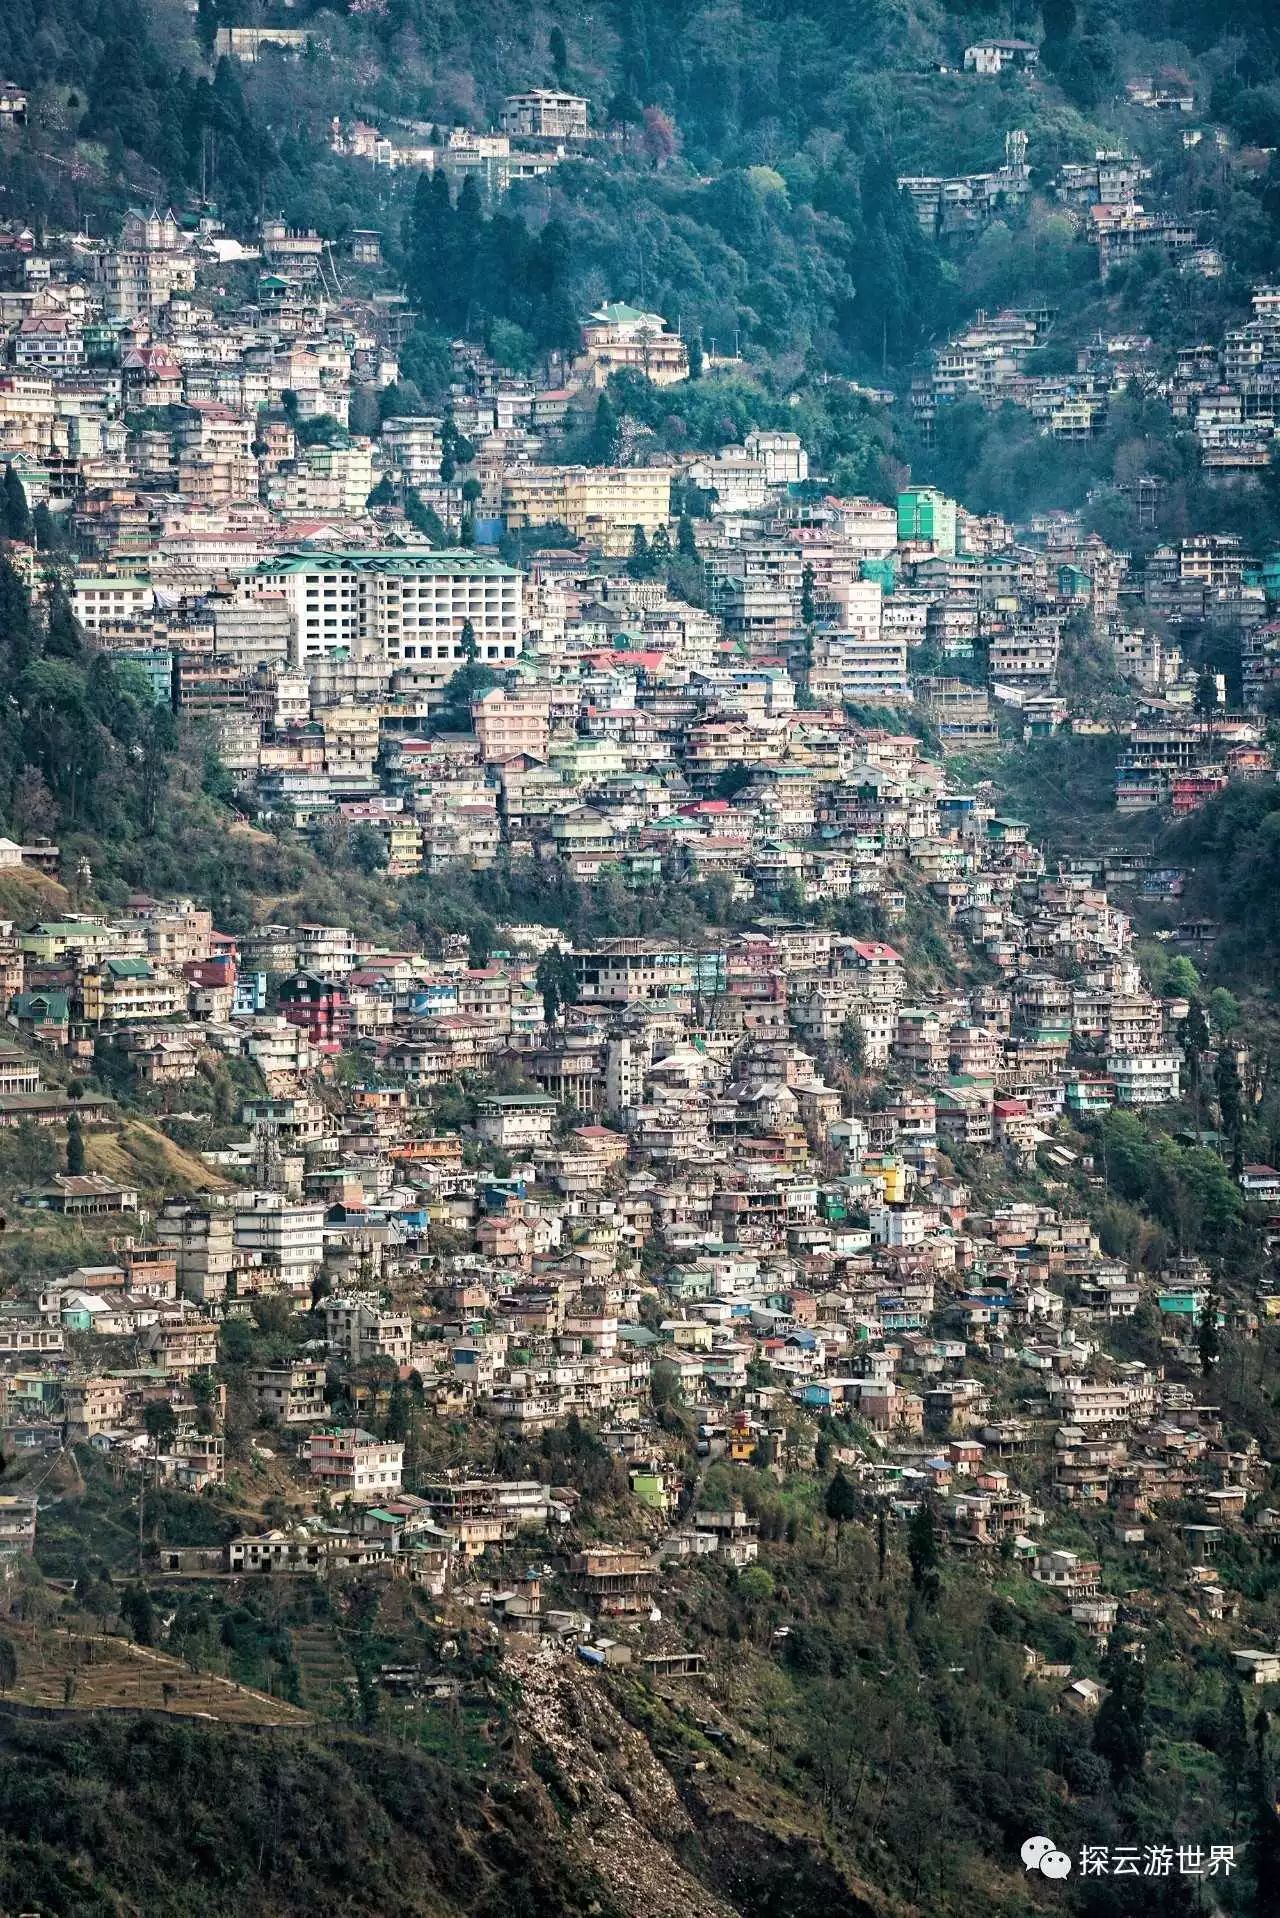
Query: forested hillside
(751, 193)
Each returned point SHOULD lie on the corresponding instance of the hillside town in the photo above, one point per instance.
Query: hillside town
(235, 507)
(815, 1181)
(639, 1038)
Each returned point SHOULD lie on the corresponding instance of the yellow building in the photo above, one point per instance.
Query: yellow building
(404, 845)
(623, 336)
(55, 939)
(891, 1175)
(122, 990)
(602, 505)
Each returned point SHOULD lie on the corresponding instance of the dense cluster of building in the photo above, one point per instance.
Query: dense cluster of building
(732, 1162)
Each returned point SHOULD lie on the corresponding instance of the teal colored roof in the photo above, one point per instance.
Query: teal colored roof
(129, 968)
(386, 560)
(47, 927)
(51, 1005)
(618, 313)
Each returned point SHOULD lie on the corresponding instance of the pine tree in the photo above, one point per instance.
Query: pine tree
(1265, 1850)
(429, 244)
(1206, 693)
(1195, 1039)
(398, 1414)
(640, 566)
(63, 637)
(1233, 1746)
(547, 978)
(1207, 1338)
(469, 292)
(17, 518)
(606, 434)
(16, 635)
(207, 23)
(1120, 1728)
(75, 1146)
(841, 1504)
(160, 1423)
(139, 1614)
(922, 1550)
(1231, 1104)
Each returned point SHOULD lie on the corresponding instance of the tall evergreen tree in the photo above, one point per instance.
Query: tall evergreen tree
(1120, 1729)
(606, 434)
(207, 23)
(1208, 1341)
(75, 1146)
(17, 516)
(16, 635)
(430, 245)
(63, 638)
(1233, 1747)
(1231, 1107)
(840, 1504)
(1265, 1850)
(922, 1550)
(1195, 1040)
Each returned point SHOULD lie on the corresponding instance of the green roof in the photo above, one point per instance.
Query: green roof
(463, 559)
(56, 1005)
(618, 313)
(46, 928)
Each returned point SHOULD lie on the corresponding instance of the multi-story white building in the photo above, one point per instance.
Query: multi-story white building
(1145, 1078)
(544, 115)
(106, 603)
(361, 1329)
(410, 608)
(203, 1244)
(413, 448)
(293, 1394)
(782, 455)
(351, 1463)
(287, 1239)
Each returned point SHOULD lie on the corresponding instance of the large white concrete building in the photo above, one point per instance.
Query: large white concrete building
(408, 608)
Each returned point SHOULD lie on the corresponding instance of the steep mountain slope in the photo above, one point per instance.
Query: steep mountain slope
(748, 183)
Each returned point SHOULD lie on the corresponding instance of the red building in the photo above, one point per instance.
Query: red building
(320, 1006)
